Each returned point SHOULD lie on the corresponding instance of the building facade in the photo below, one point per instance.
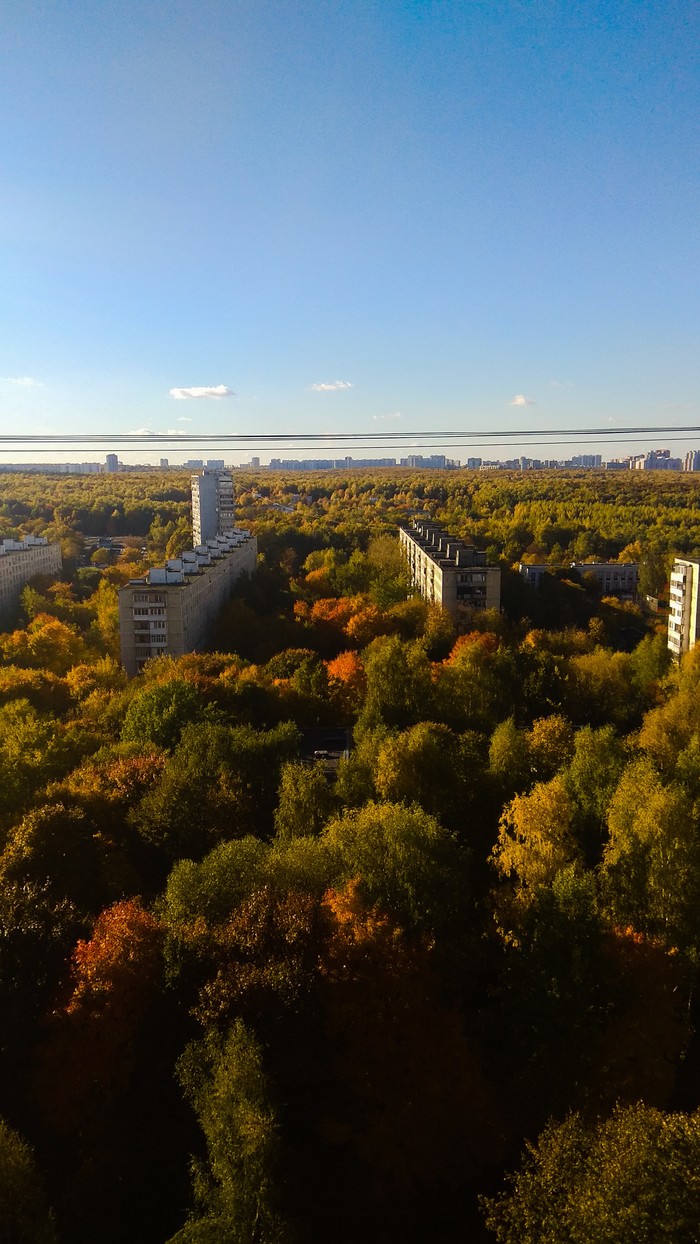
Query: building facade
(448, 571)
(619, 579)
(684, 606)
(20, 560)
(213, 504)
(171, 610)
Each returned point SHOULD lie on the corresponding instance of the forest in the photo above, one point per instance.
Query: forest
(445, 991)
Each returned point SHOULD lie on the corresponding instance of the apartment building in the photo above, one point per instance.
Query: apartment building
(172, 609)
(213, 502)
(619, 579)
(20, 560)
(448, 571)
(684, 606)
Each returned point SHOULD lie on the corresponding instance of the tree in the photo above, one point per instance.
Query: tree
(305, 801)
(219, 782)
(651, 863)
(402, 1105)
(634, 1178)
(426, 765)
(159, 714)
(106, 1056)
(236, 1188)
(535, 839)
(399, 685)
(590, 780)
(510, 760)
(24, 1214)
(407, 864)
(55, 846)
(45, 644)
(32, 750)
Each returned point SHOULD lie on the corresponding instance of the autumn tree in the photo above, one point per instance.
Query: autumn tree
(305, 801)
(236, 1187)
(630, 1179)
(159, 714)
(651, 863)
(535, 840)
(408, 864)
(24, 1214)
(106, 1054)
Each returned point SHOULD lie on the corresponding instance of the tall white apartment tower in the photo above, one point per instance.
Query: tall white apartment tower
(684, 606)
(213, 503)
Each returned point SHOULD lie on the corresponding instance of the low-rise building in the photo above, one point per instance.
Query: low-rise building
(20, 560)
(614, 578)
(171, 610)
(684, 606)
(448, 571)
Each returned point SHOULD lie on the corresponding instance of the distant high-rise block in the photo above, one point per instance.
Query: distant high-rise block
(213, 505)
(111, 463)
(164, 463)
(684, 606)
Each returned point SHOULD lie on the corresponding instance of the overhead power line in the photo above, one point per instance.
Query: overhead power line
(358, 439)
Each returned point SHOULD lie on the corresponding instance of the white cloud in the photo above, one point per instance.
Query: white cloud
(25, 382)
(380, 418)
(562, 384)
(331, 386)
(212, 390)
(521, 400)
(150, 432)
(184, 419)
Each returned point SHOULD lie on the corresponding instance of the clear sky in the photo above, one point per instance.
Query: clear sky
(355, 215)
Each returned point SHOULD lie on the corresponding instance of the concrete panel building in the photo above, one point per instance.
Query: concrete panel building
(172, 610)
(448, 571)
(684, 606)
(619, 579)
(212, 505)
(20, 560)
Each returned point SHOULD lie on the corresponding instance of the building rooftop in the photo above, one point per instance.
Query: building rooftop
(192, 562)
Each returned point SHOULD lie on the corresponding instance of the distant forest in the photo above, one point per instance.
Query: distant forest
(446, 990)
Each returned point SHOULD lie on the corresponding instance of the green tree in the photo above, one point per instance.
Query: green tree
(590, 779)
(651, 863)
(407, 864)
(237, 1188)
(305, 800)
(24, 1214)
(159, 714)
(399, 685)
(510, 758)
(632, 1179)
(427, 765)
(220, 782)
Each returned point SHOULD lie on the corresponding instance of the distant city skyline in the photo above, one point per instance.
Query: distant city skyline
(650, 460)
(357, 218)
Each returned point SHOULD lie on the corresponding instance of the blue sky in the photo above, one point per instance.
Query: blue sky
(441, 207)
